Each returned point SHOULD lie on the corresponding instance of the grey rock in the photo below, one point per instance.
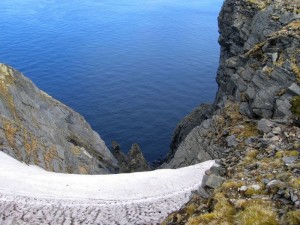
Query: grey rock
(217, 170)
(289, 159)
(232, 141)
(214, 181)
(274, 57)
(188, 123)
(37, 129)
(204, 180)
(294, 198)
(265, 125)
(201, 191)
(294, 89)
(276, 130)
(261, 79)
(121, 158)
(246, 110)
(134, 161)
(250, 74)
(195, 148)
(282, 108)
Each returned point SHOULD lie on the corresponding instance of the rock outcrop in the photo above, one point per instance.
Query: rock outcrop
(259, 72)
(192, 120)
(37, 129)
(259, 63)
(134, 161)
(254, 125)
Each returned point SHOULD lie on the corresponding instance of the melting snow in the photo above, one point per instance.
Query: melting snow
(31, 195)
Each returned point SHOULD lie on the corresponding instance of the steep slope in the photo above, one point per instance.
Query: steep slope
(254, 126)
(37, 129)
(259, 71)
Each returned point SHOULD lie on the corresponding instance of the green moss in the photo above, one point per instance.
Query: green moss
(281, 154)
(292, 153)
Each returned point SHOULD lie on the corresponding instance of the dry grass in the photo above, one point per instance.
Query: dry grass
(256, 213)
(293, 217)
(223, 213)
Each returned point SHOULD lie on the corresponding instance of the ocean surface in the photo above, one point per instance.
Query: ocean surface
(132, 68)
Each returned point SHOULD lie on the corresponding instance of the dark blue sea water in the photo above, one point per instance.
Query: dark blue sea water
(132, 68)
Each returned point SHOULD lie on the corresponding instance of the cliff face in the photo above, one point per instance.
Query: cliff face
(258, 72)
(259, 56)
(254, 125)
(37, 129)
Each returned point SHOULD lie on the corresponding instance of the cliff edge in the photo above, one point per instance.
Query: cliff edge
(258, 71)
(37, 129)
(254, 125)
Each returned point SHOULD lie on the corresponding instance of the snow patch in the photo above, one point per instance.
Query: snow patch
(135, 198)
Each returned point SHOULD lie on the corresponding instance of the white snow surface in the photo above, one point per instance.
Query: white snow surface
(31, 195)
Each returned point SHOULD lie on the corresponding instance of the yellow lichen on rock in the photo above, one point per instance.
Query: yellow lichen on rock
(49, 155)
(10, 130)
(82, 170)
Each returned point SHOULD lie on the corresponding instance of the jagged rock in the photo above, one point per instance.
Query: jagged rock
(137, 162)
(201, 191)
(231, 141)
(134, 161)
(282, 108)
(195, 148)
(217, 169)
(121, 158)
(289, 159)
(37, 129)
(267, 43)
(294, 89)
(188, 123)
(258, 71)
(214, 181)
(246, 110)
(265, 125)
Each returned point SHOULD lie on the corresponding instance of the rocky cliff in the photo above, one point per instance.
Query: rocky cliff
(253, 125)
(258, 72)
(37, 129)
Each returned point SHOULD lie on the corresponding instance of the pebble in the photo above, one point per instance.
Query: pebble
(276, 130)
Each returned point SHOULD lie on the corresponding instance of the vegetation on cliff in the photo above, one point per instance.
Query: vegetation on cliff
(255, 119)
